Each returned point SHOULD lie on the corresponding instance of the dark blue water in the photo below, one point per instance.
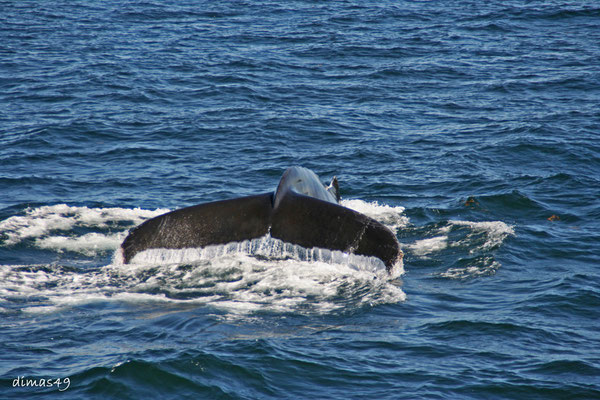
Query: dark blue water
(470, 128)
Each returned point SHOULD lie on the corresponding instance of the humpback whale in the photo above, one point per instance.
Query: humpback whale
(301, 211)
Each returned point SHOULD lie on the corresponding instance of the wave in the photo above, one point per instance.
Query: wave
(463, 248)
(43, 225)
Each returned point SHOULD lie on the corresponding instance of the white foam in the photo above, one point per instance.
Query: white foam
(390, 216)
(495, 233)
(235, 283)
(424, 247)
(487, 267)
(40, 222)
(268, 248)
(88, 244)
(472, 238)
(481, 236)
(262, 274)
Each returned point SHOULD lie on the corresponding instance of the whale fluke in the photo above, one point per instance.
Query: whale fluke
(218, 222)
(311, 222)
(301, 211)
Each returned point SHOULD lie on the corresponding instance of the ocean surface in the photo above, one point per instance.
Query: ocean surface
(470, 128)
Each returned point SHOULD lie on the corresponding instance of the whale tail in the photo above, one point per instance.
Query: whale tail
(218, 222)
(297, 219)
(310, 222)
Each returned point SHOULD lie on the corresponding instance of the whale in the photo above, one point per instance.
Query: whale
(302, 211)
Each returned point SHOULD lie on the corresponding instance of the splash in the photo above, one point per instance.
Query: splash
(53, 227)
(467, 246)
(259, 275)
(265, 247)
(423, 247)
(392, 217)
(493, 233)
(233, 283)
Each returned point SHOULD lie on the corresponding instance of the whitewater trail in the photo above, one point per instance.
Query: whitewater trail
(263, 274)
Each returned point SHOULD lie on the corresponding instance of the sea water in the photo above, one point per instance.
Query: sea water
(471, 129)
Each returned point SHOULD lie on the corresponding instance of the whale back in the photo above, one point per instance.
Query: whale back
(302, 181)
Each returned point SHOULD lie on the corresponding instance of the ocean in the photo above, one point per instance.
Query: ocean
(471, 129)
